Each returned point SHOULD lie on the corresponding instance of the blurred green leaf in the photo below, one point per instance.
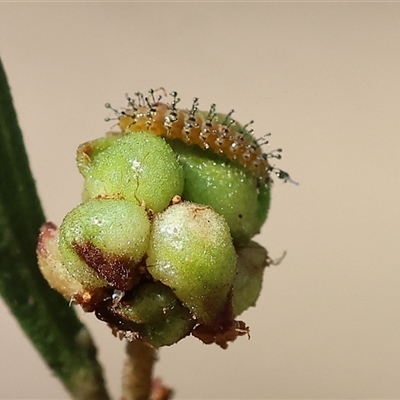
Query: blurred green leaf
(44, 315)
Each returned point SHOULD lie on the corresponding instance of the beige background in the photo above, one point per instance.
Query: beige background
(324, 78)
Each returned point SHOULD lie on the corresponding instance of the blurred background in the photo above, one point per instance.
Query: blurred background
(324, 79)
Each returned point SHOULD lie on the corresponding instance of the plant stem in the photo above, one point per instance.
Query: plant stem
(42, 313)
(137, 374)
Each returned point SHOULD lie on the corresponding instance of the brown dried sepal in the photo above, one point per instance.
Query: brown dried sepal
(159, 391)
(224, 328)
(88, 300)
(221, 335)
(176, 200)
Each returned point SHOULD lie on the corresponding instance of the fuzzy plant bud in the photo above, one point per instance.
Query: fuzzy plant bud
(251, 262)
(138, 167)
(102, 241)
(191, 251)
(225, 186)
(150, 312)
(51, 264)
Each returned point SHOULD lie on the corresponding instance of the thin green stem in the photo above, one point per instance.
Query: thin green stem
(43, 314)
(137, 375)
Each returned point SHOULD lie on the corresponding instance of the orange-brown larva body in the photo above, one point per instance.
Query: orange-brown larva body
(194, 127)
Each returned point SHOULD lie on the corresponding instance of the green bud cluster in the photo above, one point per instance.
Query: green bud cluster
(161, 245)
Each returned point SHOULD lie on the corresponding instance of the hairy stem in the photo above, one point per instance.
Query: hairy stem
(42, 313)
(137, 374)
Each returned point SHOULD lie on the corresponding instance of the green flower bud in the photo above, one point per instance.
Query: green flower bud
(51, 265)
(88, 151)
(139, 167)
(191, 251)
(151, 312)
(229, 189)
(101, 242)
(252, 260)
